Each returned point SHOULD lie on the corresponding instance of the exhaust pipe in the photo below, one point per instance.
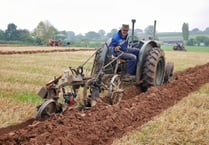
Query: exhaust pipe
(154, 32)
(132, 34)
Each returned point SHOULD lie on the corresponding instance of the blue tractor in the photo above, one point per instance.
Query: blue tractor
(107, 74)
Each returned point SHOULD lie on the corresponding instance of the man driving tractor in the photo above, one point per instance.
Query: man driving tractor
(119, 43)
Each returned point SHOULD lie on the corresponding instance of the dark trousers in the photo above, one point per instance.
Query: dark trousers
(132, 57)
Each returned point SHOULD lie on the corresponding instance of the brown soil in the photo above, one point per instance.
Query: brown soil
(42, 51)
(103, 123)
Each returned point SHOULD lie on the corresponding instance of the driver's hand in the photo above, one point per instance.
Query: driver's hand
(117, 48)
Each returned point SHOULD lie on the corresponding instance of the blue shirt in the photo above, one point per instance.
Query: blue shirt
(117, 40)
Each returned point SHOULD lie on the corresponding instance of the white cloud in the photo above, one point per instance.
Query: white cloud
(82, 16)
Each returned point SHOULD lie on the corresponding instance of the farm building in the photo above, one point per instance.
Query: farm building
(172, 42)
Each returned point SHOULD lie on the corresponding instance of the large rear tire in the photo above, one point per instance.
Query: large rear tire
(153, 69)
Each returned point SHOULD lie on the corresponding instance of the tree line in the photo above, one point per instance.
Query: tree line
(198, 40)
(45, 31)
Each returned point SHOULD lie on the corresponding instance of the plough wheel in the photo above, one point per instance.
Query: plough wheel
(46, 109)
(115, 90)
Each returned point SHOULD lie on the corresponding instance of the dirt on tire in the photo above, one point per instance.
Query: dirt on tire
(103, 123)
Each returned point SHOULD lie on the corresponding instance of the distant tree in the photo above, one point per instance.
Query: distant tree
(101, 33)
(206, 30)
(91, 35)
(111, 33)
(191, 42)
(61, 35)
(2, 35)
(138, 30)
(44, 31)
(137, 33)
(79, 37)
(202, 39)
(185, 31)
(38, 41)
(11, 32)
(70, 35)
(206, 42)
(195, 30)
(81, 41)
(25, 36)
(149, 30)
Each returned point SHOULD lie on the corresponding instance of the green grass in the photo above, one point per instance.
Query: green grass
(27, 97)
(23, 97)
(176, 35)
(188, 48)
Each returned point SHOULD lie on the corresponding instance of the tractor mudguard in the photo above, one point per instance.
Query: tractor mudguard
(103, 56)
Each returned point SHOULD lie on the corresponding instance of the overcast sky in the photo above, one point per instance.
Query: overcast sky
(82, 16)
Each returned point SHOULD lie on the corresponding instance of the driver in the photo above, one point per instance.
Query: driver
(120, 42)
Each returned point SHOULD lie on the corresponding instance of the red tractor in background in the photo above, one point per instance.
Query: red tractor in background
(52, 42)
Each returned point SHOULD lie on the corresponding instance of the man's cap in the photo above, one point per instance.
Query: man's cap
(125, 26)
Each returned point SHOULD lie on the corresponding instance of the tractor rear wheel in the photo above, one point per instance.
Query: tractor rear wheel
(153, 68)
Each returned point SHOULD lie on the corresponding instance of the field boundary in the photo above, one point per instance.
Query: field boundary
(42, 51)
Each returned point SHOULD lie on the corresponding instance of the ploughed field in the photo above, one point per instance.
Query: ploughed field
(104, 123)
